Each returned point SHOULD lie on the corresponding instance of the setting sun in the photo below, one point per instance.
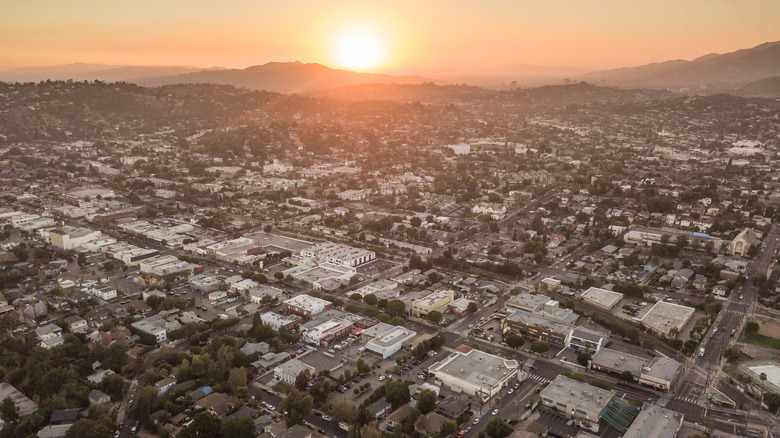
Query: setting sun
(359, 50)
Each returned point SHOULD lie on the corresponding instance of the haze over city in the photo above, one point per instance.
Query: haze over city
(433, 37)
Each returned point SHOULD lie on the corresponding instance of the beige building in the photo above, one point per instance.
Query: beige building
(743, 242)
(436, 300)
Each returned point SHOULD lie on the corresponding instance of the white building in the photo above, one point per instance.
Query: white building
(277, 321)
(387, 344)
(306, 305)
(476, 373)
(338, 254)
(496, 211)
(290, 370)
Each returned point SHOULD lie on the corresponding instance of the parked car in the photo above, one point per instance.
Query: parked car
(476, 421)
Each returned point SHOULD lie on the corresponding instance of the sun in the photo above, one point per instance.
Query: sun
(359, 50)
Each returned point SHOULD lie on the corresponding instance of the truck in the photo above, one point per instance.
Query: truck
(701, 352)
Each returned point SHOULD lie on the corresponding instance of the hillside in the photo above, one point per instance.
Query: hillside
(286, 77)
(709, 73)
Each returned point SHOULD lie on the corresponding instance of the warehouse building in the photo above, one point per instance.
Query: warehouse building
(475, 373)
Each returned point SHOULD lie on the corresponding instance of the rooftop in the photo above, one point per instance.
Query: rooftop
(665, 316)
(602, 297)
(476, 367)
(655, 421)
(393, 337)
(573, 392)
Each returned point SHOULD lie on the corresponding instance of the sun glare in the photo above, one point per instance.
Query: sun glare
(360, 51)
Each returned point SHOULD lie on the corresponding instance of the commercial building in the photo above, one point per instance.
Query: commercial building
(338, 254)
(655, 421)
(243, 250)
(616, 362)
(537, 327)
(157, 325)
(663, 317)
(542, 305)
(69, 238)
(601, 298)
(661, 373)
(575, 399)
(475, 373)
(459, 307)
(289, 371)
(276, 321)
(588, 340)
(436, 300)
(658, 372)
(263, 291)
(386, 289)
(164, 265)
(205, 283)
(390, 342)
(328, 331)
(305, 306)
(31, 222)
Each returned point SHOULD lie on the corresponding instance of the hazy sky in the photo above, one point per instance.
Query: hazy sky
(418, 36)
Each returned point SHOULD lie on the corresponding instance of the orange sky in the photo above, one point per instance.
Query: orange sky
(427, 36)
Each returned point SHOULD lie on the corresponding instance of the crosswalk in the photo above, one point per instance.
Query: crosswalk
(735, 311)
(539, 379)
(688, 398)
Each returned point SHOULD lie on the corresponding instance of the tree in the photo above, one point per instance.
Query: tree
(301, 380)
(583, 359)
(448, 428)
(633, 333)
(298, 406)
(627, 376)
(371, 312)
(356, 297)
(426, 401)
(540, 347)
(205, 424)
(362, 366)
(732, 354)
(472, 307)
(762, 377)
(497, 427)
(435, 316)
(751, 328)
(515, 341)
(342, 410)
(8, 411)
(397, 393)
(396, 306)
(599, 383)
(144, 401)
(415, 221)
(88, 427)
(279, 275)
(370, 299)
(383, 317)
(397, 320)
(239, 428)
(237, 379)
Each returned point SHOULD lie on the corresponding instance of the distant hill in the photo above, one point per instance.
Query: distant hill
(710, 73)
(286, 77)
(91, 72)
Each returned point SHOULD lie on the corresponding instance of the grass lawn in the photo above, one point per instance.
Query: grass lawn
(760, 340)
(282, 387)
